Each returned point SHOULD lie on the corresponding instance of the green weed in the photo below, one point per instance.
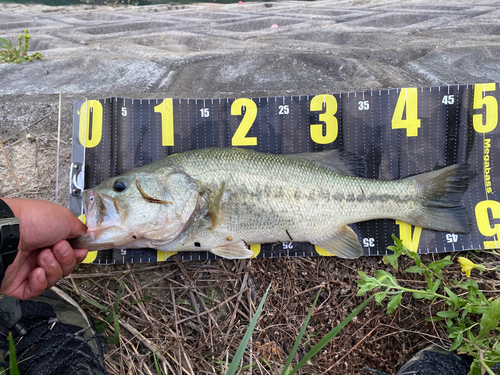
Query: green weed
(112, 315)
(470, 319)
(10, 54)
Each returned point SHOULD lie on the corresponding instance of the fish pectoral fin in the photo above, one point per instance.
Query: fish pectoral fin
(233, 250)
(214, 211)
(343, 243)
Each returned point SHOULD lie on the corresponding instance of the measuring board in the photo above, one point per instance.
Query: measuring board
(398, 133)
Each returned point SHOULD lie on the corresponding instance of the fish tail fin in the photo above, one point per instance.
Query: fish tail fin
(440, 209)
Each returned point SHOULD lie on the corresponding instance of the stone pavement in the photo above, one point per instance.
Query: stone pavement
(211, 50)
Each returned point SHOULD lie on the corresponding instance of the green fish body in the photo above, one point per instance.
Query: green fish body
(224, 199)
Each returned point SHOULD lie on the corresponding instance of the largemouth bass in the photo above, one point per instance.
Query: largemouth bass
(223, 199)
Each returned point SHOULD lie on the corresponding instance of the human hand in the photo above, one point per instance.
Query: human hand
(44, 255)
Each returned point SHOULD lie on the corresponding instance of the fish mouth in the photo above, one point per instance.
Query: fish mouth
(104, 223)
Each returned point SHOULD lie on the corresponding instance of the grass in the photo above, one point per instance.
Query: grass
(195, 338)
(12, 54)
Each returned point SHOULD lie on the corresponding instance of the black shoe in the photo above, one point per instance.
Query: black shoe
(433, 361)
(436, 361)
(53, 335)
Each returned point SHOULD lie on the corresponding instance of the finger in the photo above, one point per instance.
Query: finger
(52, 268)
(65, 256)
(37, 283)
(80, 255)
(77, 228)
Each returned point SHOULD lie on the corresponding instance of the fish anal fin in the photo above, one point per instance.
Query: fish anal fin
(233, 250)
(214, 211)
(343, 243)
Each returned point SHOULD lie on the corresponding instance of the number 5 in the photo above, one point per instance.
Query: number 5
(487, 121)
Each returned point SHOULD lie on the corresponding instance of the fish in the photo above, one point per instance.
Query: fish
(222, 200)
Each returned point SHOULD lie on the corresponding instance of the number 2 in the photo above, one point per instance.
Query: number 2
(240, 135)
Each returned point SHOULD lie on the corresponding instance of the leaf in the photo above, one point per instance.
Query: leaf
(475, 368)
(415, 269)
(458, 340)
(490, 318)
(4, 41)
(417, 295)
(394, 302)
(380, 296)
(328, 337)
(233, 367)
(94, 303)
(392, 259)
(301, 334)
(385, 278)
(447, 314)
(14, 370)
(438, 265)
(436, 285)
(397, 241)
(363, 276)
(454, 298)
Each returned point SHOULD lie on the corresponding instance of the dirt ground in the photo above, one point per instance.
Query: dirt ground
(189, 317)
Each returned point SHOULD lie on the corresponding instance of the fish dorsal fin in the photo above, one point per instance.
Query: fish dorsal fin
(214, 211)
(233, 250)
(339, 161)
(344, 244)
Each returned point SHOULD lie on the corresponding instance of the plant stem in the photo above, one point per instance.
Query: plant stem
(486, 367)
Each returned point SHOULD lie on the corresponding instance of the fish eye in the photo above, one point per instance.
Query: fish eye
(119, 186)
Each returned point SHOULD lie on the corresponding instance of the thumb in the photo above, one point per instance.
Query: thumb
(77, 228)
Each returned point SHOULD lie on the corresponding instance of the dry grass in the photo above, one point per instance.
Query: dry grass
(193, 315)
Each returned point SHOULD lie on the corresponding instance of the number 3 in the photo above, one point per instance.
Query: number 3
(328, 131)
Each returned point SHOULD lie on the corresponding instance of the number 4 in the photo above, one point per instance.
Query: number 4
(408, 100)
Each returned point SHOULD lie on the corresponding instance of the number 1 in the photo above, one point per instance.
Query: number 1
(165, 109)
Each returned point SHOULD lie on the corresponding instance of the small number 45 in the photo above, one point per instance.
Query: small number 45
(448, 99)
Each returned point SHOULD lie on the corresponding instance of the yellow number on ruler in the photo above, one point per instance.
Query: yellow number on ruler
(255, 249)
(240, 135)
(322, 251)
(91, 109)
(162, 256)
(407, 99)
(166, 111)
(409, 240)
(487, 121)
(328, 118)
(484, 224)
(91, 255)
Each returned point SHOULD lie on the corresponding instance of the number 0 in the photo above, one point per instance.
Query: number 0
(90, 110)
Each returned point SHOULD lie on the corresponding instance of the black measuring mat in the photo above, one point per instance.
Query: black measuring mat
(397, 132)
